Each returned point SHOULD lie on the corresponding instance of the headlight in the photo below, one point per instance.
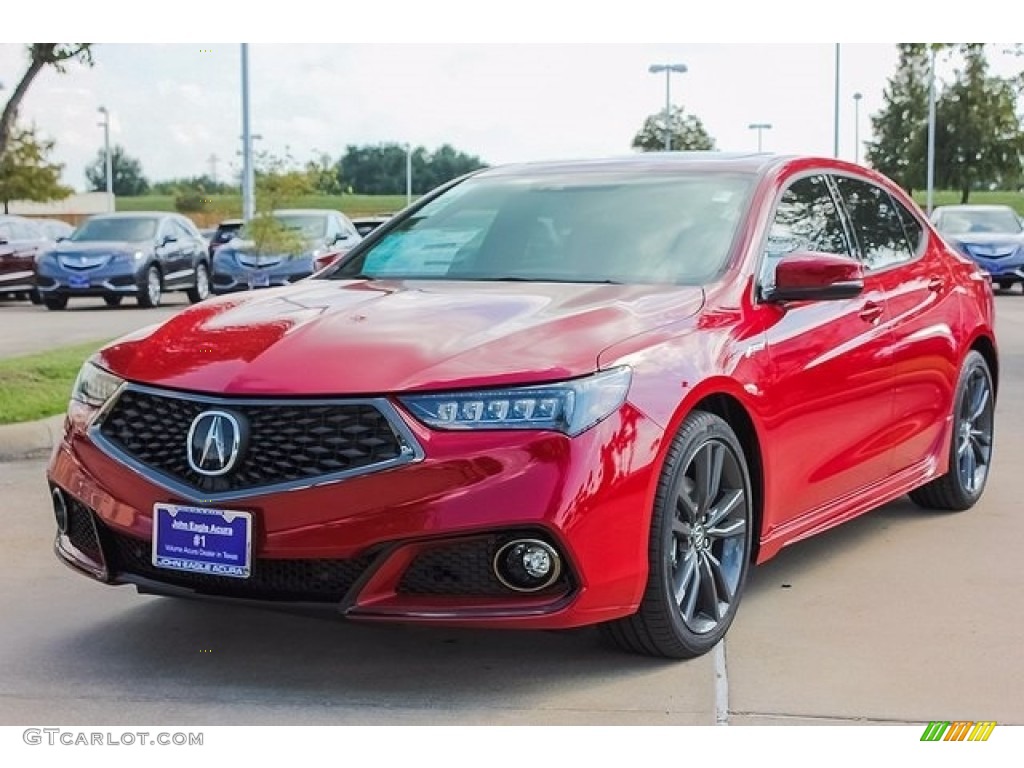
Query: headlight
(94, 386)
(570, 407)
(129, 256)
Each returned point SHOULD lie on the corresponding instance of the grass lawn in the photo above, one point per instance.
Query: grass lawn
(37, 386)
(230, 206)
(948, 197)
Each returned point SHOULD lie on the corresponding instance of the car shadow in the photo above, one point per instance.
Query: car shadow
(208, 650)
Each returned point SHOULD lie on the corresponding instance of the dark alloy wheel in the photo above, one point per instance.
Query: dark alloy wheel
(970, 454)
(201, 290)
(700, 545)
(152, 289)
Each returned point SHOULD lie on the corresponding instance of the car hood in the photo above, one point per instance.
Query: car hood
(987, 239)
(70, 248)
(373, 337)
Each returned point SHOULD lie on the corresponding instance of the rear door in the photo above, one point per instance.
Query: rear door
(922, 312)
(830, 392)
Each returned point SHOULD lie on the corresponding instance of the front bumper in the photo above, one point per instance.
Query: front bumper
(414, 543)
(228, 275)
(121, 279)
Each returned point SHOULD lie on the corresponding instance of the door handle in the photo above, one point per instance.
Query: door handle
(870, 312)
(936, 284)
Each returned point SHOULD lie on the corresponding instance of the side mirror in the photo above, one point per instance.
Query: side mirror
(812, 276)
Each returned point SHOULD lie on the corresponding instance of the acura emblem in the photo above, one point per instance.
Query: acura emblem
(214, 443)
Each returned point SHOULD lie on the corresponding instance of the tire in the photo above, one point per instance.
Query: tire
(34, 297)
(970, 449)
(56, 302)
(705, 476)
(112, 301)
(152, 289)
(201, 290)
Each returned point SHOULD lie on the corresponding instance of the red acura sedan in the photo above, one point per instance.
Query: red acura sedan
(546, 396)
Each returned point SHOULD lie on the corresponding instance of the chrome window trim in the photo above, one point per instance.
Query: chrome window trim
(410, 449)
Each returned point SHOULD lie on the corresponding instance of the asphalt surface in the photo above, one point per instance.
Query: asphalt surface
(900, 616)
(26, 328)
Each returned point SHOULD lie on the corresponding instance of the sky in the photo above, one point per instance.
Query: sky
(505, 91)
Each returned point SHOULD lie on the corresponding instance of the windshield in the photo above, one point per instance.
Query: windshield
(620, 227)
(978, 222)
(129, 230)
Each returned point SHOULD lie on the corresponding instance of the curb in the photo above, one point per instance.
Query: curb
(30, 439)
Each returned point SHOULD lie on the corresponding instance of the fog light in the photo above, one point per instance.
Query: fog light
(527, 565)
(60, 510)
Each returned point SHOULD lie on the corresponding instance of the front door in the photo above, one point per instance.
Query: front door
(830, 394)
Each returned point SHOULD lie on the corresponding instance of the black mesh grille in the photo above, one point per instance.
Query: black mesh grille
(286, 442)
(463, 568)
(317, 581)
(80, 531)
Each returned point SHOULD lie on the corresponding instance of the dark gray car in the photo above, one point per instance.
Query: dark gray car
(325, 236)
(114, 255)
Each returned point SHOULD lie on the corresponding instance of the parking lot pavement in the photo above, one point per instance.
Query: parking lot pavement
(26, 328)
(899, 616)
(76, 652)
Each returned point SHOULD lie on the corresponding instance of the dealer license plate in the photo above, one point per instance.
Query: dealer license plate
(212, 541)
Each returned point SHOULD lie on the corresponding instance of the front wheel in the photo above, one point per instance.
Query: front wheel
(55, 302)
(699, 547)
(152, 289)
(112, 301)
(970, 450)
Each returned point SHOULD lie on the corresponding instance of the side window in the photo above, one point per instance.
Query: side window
(911, 227)
(806, 219)
(876, 223)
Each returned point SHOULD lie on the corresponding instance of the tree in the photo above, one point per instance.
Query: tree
(900, 129)
(25, 172)
(323, 175)
(380, 169)
(978, 137)
(41, 55)
(687, 131)
(127, 171)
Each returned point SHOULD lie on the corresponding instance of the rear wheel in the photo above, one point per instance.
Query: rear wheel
(970, 451)
(55, 302)
(699, 547)
(34, 297)
(152, 289)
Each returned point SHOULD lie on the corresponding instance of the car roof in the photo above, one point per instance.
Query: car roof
(970, 208)
(652, 162)
(133, 215)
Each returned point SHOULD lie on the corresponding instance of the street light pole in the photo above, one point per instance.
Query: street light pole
(668, 69)
(931, 131)
(248, 172)
(856, 126)
(408, 174)
(835, 117)
(759, 127)
(108, 161)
